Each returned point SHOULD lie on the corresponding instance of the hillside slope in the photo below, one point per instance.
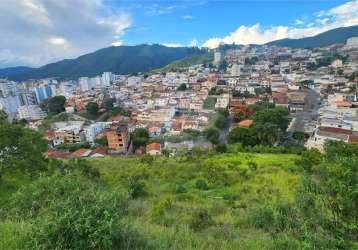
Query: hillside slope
(120, 60)
(339, 35)
(6, 72)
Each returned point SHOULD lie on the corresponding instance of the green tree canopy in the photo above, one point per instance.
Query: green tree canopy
(21, 149)
(140, 137)
(182, 87)
(56, 104)
(92, 108)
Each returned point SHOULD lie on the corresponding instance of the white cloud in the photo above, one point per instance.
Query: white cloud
(173, 45)
(36, 32)
(60, 41)
(299, 22)
(340, 16)
(188, 17)
(193, 43)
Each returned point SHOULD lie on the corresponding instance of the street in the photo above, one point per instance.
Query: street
(309, 114)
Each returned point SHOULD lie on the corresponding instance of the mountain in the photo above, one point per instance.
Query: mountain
(120, 60)
(6, 72)
(339, 35)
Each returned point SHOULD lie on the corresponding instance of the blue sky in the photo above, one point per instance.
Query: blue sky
(36, 32)
(180, 22)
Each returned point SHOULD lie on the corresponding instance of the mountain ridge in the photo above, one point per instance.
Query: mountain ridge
(119, 60)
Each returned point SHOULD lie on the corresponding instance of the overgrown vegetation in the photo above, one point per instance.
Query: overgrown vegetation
(196, 200)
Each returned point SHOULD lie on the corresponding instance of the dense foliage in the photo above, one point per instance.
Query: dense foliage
(119, 60)
(269, 127)
(238, 199)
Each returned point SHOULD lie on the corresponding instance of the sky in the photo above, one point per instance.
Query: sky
(37, 32)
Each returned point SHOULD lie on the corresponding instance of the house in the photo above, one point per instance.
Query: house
(82, 152)
(222, 101)
(57, 154)
(99, 152)
(325, 134)
(153, 148)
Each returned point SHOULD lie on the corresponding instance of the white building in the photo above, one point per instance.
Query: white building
(7, 88)
(352, 42)
(222, 101)
(235, 70)
(107, 79)
(217, 58)
(93, 130)
(134, 81)
(10, 104)
(30, 113)
(85, 84)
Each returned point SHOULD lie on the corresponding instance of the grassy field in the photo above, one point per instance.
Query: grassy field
(237, 185)
(202, 202)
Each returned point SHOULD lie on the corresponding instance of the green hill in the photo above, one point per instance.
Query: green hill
(339, 35)
(120, 60)
(188, 61)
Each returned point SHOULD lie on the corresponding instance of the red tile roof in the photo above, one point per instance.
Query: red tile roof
(153, 146)
(57, 154)
(81, 152)
(335, 130)
(99, 150)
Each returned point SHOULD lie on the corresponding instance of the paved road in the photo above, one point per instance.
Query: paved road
(309, 114)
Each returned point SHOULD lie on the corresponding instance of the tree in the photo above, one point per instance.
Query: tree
(241, 135)
(108, 103)
(278, 116)
(140, 137)
(56, 104)
(102, 141)
(92, 108)
(267, 133)
(212, 134)
(182, 87)
(21, 149)
(3, 116)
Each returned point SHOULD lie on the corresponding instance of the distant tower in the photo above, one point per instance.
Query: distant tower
(217, 58)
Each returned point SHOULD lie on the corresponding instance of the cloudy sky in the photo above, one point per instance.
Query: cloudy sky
(36, 32)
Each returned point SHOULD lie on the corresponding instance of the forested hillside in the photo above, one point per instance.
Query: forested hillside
(119, 60)
(198, 199)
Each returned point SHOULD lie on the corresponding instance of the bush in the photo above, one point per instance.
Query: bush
(221, 148)
(71, 213)
(263, 218)
(136, 187)
(200, 220)
(201, 184)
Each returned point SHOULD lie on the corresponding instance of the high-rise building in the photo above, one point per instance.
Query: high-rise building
(85, 84)
(352, 42)
(7, 87)
(107, 79)
(217, 58)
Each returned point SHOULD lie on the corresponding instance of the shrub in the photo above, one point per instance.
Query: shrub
(69, 212)
(200, 220)
(201, 184)
(263, 218)
(136, 187)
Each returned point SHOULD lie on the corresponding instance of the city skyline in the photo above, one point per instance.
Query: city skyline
(37, 32)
